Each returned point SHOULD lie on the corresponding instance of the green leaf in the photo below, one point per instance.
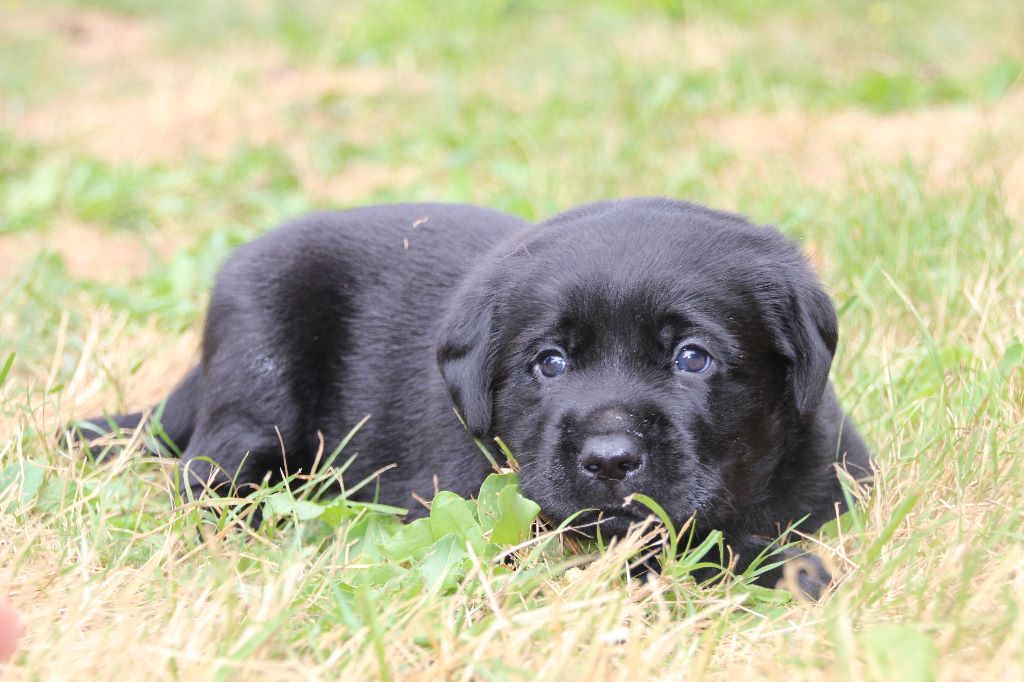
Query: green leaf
(488, 510)
(54, 495)
(306, 510)
(844, 523)
(899, 652)
(767, 595)
(445, 563)
(30, 474)
(450, 514)
(370, 533)
(376, 575)
(410, 542)
(517, 515)
(337, 511)
(284, 504)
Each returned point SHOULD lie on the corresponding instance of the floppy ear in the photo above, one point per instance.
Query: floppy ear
(813, 333)
(465, 353)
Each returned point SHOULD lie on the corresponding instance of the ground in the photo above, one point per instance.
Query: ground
(141, 141)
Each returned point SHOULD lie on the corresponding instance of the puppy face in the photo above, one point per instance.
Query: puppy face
(642, 347)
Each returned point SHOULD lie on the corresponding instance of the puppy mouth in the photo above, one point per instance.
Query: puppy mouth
(607, 522)
(615, 513)
(618, 512)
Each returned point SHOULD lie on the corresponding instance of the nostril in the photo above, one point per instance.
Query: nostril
(610, 456)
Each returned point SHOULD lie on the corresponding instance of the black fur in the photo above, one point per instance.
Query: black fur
(399, 312)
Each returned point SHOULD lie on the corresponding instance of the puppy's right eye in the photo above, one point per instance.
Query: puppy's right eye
(693, 359)
(551, 364)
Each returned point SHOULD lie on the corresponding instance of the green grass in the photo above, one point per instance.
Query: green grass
(884, 136)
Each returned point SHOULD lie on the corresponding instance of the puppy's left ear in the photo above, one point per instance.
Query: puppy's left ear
(466, 354)
(813, 333)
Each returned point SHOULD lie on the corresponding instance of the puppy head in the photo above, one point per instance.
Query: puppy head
(641, 346)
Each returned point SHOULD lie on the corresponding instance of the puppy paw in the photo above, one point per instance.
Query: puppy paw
(806, 577)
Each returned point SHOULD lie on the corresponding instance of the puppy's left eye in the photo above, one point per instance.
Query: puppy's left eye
(551, 364)
(693, 359)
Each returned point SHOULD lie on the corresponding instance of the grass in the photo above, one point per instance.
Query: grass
(141, 141)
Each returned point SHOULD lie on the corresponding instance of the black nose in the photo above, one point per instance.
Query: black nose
(610, 456)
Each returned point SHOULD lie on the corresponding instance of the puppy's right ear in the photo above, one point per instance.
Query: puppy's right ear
(466, 355)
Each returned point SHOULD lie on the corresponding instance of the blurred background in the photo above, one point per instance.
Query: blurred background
(141, 140)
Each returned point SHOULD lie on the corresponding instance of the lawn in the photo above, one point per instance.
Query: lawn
(140, 141)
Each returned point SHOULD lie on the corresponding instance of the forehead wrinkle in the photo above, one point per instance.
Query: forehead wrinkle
(610, 323)
(629, 312)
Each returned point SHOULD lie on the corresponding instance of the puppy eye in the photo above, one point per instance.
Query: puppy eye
(551, 364)
(693, 359)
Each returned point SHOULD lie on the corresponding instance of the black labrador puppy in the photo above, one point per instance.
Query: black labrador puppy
(636, 346)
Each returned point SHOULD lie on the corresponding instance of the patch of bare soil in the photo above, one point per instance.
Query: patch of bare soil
(136, 103)
(94, 37)
(88, 252)
(950, 142)
(359, 180)
(693, 45)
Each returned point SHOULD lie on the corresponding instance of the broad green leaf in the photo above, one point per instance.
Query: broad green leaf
(445, 563)
(376, 575)
(410, 542)
(306, 510)
(29, 473)
(487, 501)
(844, 523)
(451, 514)
(337, 511)
(278, 504)
(516, 518)
(370, 532)
(55, 494)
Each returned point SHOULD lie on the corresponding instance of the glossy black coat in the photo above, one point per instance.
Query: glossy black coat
(402, 312)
